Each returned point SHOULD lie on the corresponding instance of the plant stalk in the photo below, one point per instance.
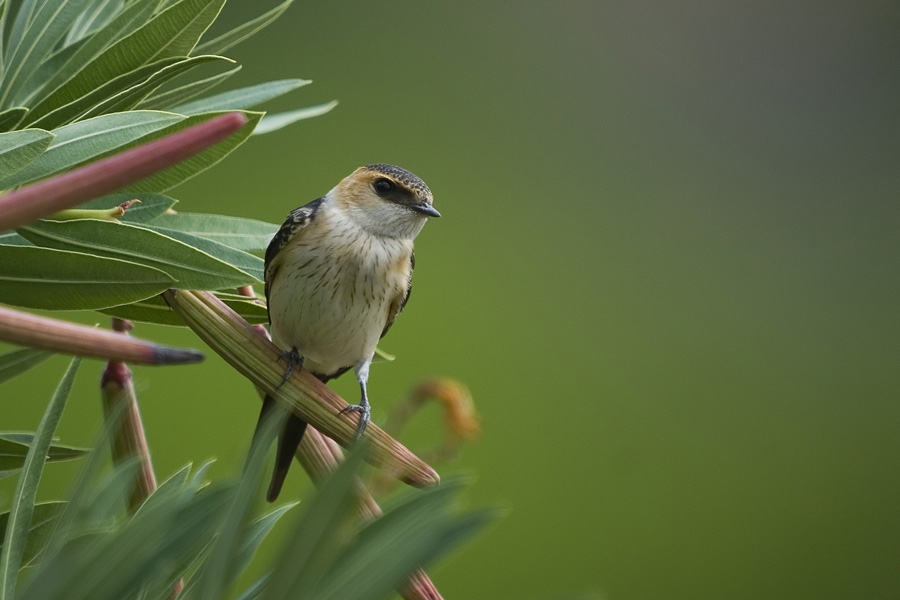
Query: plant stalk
(255, 357)
(45, 333)
(46, 197)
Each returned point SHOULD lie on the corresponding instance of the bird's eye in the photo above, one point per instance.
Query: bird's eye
(383, 186)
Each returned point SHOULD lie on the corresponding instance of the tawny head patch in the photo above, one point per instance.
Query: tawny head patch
(375, 184)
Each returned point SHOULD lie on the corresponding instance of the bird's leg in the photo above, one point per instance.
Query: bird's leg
(362, 376)
(294, 361)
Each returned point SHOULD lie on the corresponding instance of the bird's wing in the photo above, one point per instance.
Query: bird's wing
(293, 226)
(400, 301)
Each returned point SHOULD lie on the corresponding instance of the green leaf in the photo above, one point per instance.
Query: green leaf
(191, 268)
(276, 121)
(93, 18)
(119, 563)
(16, 362)
(171, 33)
(169, 98)
(149, 207)
(318, 536)
(241, 98)
(249, 264)
(79, 108)
(125, 23)
(237, 232)
(57, 453)
(241, 32)
(11, 439)
(43, 519)
(58, 280)
(104, 504)
(131, 97)
(20, 148)
(45, 28)
(11, 238)
(254, 535)
(22, 510)
(219, 569)
(155, 310)
(80, 142)
(256, 589)
(407, 537)
(21, 12)
(11, 117)
(163, 180)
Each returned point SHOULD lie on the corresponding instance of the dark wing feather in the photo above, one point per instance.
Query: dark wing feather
(397, 307)
(295, 222)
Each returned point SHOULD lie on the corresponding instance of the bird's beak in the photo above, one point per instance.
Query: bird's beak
(426, 209)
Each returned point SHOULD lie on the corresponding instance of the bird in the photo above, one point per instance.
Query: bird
(337, 274)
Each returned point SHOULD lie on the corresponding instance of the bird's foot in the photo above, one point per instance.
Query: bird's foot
(293, 360)
(364, 414)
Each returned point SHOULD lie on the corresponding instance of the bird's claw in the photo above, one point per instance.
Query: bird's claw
(364, 414)
(293, 360)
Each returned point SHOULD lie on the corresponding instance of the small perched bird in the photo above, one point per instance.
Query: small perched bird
(337, 274)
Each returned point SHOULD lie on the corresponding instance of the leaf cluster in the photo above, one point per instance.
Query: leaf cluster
(205, 535)
(80, 81)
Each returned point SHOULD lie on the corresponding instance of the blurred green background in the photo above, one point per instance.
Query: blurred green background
(667, 268)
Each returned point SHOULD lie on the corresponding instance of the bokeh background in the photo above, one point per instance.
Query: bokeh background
(667, 268)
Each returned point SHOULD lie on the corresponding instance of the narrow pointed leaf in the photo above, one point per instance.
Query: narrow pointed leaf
(218, 570)
(112, 173)
(249, 264)
(241, 32)
(173, 32)
(391, 548)
(241, 98)
(11, 238)
(191, 268)
(237, 232)
(131, 97)
(57, 452)
(315, 541)
(93, 18)
(22, 508)
(11, 117)
(123, 24)
(46, 27)
(21, 13)
(43, 520)
(256, 589)
(21, 148)
(198, 163)
(80, 142)
(276, 121)
(167, 99)
(52, 279)
(155, 310)
(373, 569)
(254, 535)
(16, 362)
(78, 109)
(131, 557)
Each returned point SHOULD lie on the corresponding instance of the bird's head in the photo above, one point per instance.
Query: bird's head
(385, 200)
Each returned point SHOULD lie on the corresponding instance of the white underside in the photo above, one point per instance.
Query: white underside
(333, 293)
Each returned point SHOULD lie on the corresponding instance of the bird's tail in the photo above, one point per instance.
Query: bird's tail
(288, 441)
